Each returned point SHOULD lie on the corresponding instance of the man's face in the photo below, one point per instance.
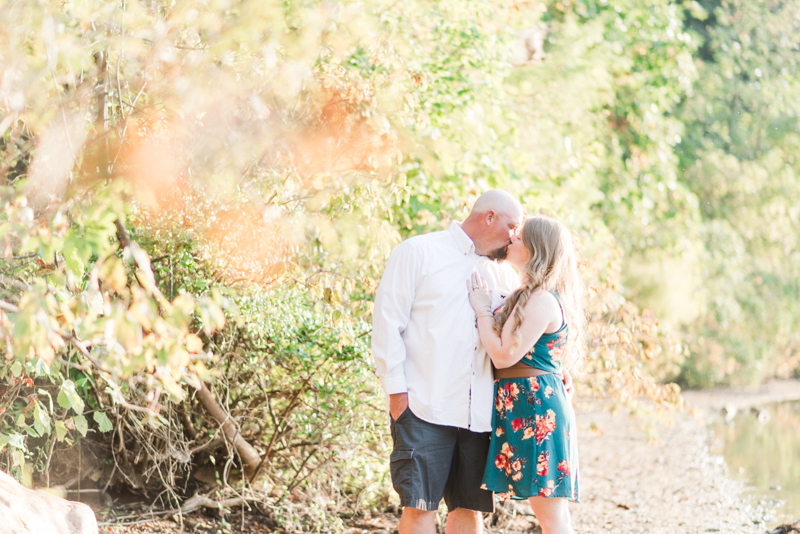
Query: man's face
(501, 230)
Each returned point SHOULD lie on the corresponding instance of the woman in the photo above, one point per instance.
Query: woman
(534, 451)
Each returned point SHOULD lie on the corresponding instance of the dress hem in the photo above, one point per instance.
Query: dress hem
(523, 497)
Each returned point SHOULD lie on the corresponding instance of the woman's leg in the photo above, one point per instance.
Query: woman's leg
(553, 514)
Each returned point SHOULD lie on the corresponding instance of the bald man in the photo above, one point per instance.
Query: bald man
(430, 362)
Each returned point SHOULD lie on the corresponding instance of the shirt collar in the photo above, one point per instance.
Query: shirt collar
(462, 239)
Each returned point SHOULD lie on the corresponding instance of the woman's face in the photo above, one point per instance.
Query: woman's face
(518, 254)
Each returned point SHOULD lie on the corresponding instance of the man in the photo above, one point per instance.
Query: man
(429, 360)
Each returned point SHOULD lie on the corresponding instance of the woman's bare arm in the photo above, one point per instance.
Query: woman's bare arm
(501, 349)
(541, 311)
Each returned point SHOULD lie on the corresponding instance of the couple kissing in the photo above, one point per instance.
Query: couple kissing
(479, 395)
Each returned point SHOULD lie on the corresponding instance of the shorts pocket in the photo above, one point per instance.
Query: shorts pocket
(401, 467)
(402, 415)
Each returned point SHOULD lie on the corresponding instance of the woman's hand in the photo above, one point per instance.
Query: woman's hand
(569, 386)
(480, 296)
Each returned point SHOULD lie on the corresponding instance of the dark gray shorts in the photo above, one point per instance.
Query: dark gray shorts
(431, 461)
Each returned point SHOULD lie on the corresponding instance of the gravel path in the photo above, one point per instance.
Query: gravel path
(629, 483)
(675, 485)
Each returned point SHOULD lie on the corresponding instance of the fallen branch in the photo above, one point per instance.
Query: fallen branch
(7, 306)
(191, 504)
(122, 234)
(201, 501)
(787, 529)
(13, 282)
(250, 457)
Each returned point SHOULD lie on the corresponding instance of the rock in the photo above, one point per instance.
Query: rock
(24, 511)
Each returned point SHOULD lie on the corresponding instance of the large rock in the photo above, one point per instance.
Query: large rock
(23, 511)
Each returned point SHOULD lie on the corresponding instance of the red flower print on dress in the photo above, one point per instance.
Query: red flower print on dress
(528, 434)
(545, 426)
(516, 424)
(565, 467)
(501, 462)
(504, 400)
(543, 463)
(534, 384)
(516, 477)
(506, 462)
(509, 494)
(557, 347)
(548, 491)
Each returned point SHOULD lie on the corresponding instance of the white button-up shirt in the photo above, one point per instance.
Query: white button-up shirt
(424, 335)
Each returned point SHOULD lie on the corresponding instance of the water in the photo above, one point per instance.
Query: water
(762, 448)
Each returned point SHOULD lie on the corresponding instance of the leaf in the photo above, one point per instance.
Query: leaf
(41, 419)
(16, 440)
(172, 386)
(103, 422)
(61, 431)
(76, 253)
(193, 344)
(112, 272)
(81, 424)
(16, 369)
(69, 398)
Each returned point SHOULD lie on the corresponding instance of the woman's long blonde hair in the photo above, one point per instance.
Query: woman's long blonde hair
(553, 266)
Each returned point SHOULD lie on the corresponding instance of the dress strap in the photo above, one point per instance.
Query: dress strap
(560, 307)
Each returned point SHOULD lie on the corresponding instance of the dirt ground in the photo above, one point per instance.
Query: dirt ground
(630, 483)
(672, 486)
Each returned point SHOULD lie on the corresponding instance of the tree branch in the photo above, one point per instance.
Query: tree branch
(249, 455)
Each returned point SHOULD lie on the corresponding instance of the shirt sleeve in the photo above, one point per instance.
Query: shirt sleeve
(391, 314)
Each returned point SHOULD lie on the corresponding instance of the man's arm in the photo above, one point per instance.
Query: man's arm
(390, 316)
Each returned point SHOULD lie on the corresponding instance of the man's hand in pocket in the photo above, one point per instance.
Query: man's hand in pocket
(398, 404)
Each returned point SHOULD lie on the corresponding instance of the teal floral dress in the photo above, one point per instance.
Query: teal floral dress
(534, 448)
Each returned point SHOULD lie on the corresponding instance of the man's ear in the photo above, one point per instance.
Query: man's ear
(489, 217)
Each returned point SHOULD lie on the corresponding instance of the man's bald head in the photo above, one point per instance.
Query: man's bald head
(498, 201)
(492, 223)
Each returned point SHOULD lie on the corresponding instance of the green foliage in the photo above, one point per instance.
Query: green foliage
(739, 159)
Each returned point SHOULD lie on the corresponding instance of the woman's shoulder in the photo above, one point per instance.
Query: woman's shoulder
(544, 303)
(543, 297)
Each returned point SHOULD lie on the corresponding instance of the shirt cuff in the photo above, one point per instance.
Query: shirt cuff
(394, 384)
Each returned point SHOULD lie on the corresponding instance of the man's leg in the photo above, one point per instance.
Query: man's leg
(463, 494)
(415, 521)
(420, 463)
(463, 521)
